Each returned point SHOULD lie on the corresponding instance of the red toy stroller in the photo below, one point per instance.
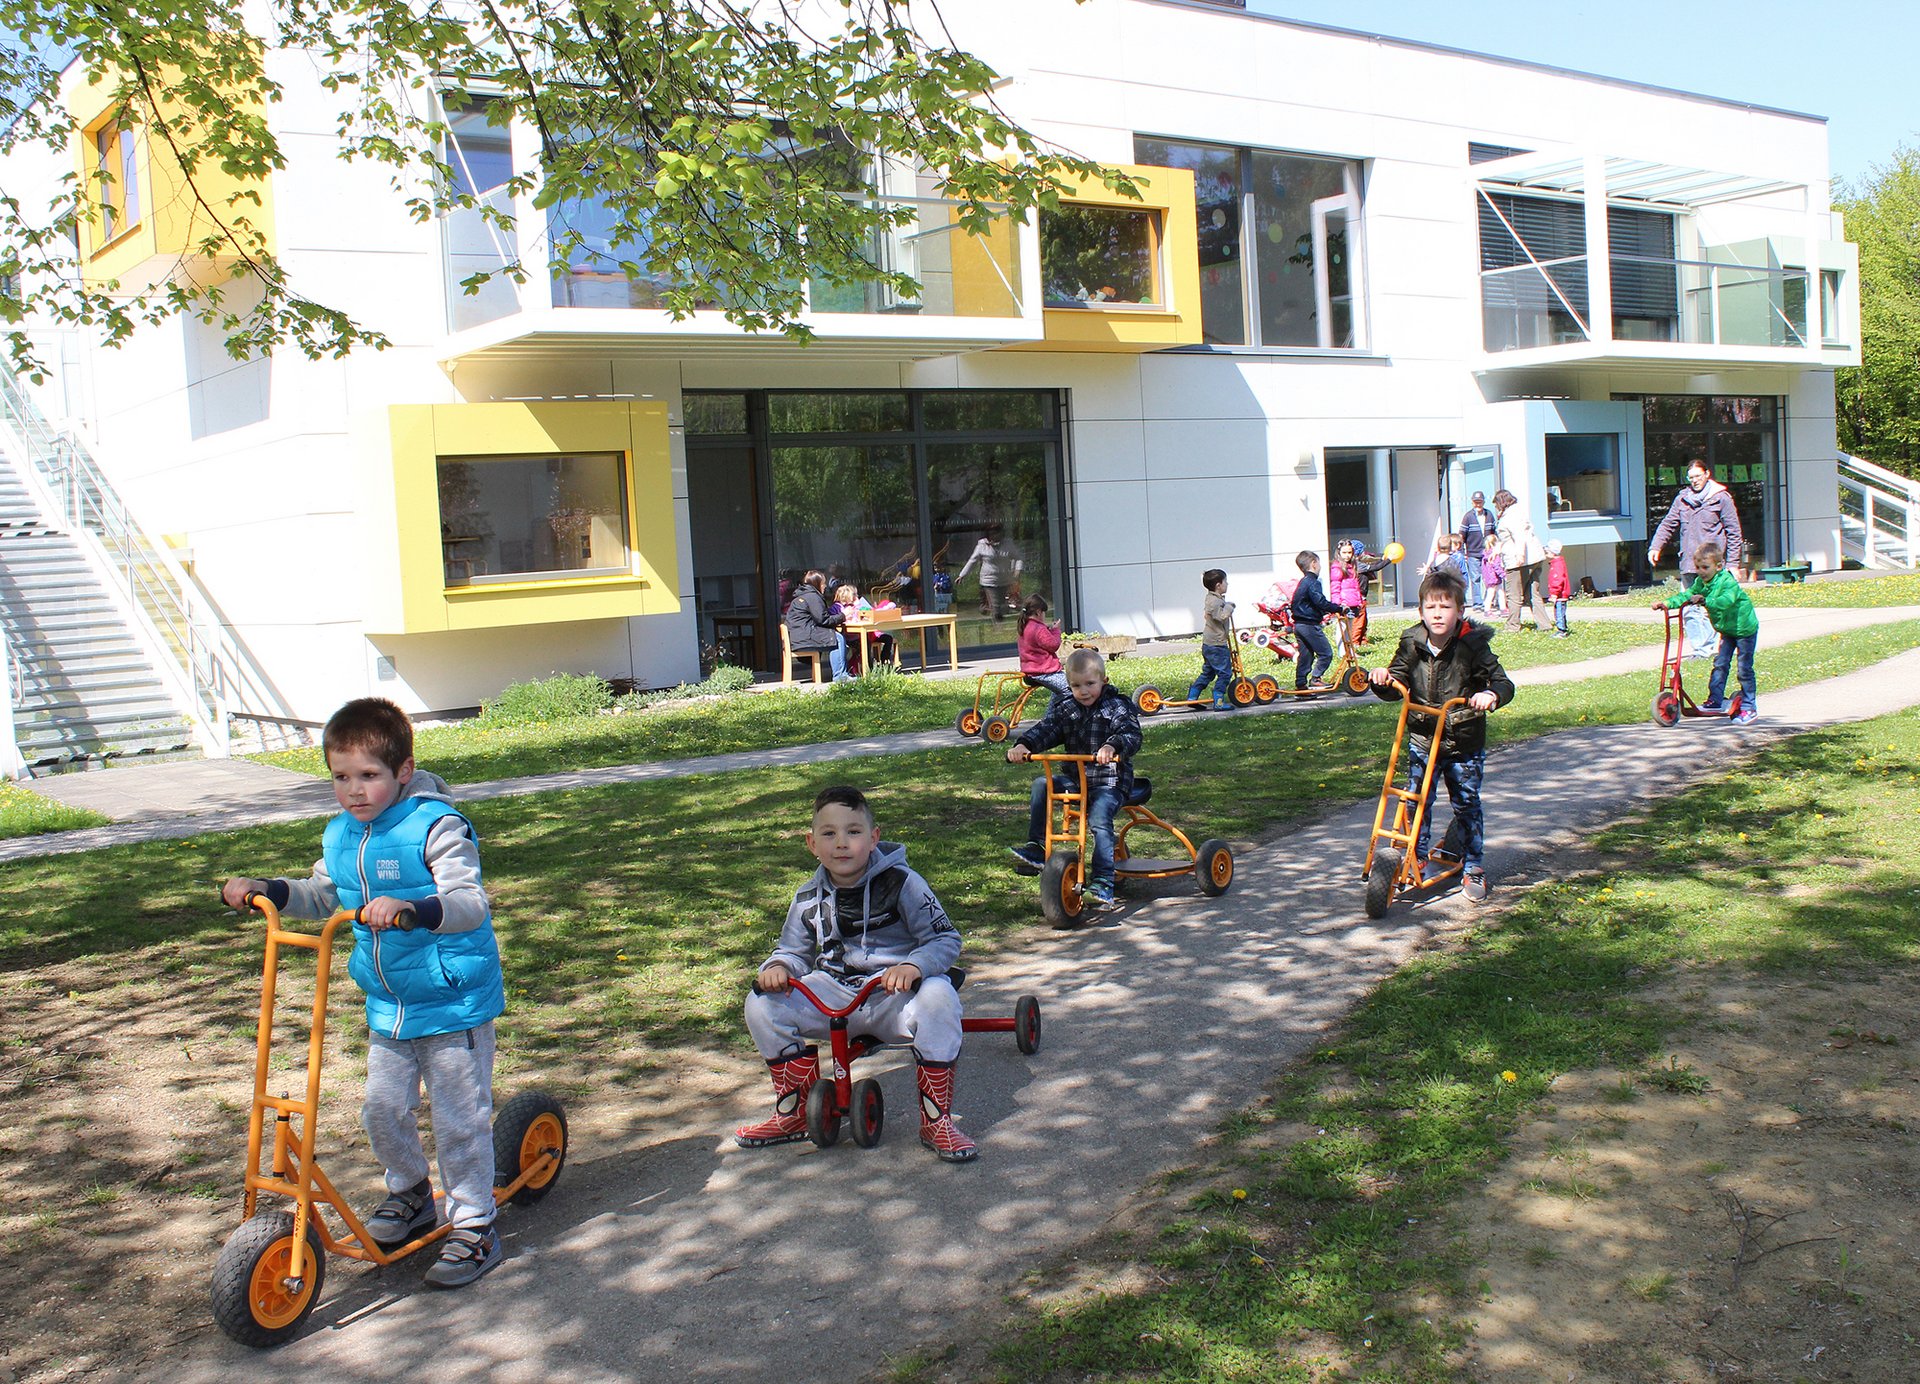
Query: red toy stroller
(1277, 637)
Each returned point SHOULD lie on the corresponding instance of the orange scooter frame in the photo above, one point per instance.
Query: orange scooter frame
(1392, 864)
(270, 1271)
(994, 721)
(1064, 876)
(1242, 690)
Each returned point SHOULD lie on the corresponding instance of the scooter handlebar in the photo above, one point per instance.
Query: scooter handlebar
(266, 908)
(860, 997)
(1441, 712)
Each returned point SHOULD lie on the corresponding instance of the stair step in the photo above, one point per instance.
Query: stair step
(90, 689)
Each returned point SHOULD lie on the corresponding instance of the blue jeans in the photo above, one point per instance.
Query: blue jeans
(1463, 775)
(1217, 668)
(1560, 614)
(1102, 803)
(1476, 583)
(837, 657)
(1723, 660)
(1056, 683)
(1314, 642)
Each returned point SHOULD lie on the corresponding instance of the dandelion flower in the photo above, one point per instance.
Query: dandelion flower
(1508, 1077)
(1239, 1193)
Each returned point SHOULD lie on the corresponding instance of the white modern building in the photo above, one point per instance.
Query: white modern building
(1370, 277)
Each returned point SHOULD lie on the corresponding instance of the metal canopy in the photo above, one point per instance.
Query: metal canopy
(1638, 180)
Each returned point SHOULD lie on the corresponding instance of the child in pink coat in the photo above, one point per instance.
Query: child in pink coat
(1559, 589)
(1040, 648)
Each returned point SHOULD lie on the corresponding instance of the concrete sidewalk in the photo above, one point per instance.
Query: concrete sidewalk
(183, 798)
(669, 1254)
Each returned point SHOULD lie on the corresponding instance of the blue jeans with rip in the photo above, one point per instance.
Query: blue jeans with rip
(1462, 774)
(1103, 800)
(1313, 641)
(1216, 668)
(1723, 660)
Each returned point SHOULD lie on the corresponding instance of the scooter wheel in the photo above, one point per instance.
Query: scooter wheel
(1356, 681)
(1266, 689)
(1213, 863)
(1666, 709)
(995, 730)
(1381, 881)
(1242, 692)
(530, 1126)
(1060, 899)
(1148, 699)
(968, 722)
(1026, 1024)
(869, 1112)
(823, 1117)
(251, 1300)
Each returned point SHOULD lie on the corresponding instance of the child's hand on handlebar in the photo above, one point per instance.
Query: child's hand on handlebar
(1106, 754)
(384, 912)
(1483, 701)
(1018, 754)
(1380, 677)
(774, 978)
(234, 892)
(899, 978)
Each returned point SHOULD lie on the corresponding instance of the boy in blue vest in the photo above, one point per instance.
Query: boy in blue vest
(424, 952)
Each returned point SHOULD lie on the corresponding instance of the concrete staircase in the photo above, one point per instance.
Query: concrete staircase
(83, 689)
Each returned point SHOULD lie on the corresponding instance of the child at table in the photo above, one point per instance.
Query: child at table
(853, 607)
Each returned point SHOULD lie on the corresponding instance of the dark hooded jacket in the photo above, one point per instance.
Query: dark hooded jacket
(889, 917)
(1111, 720)
(1467, 665)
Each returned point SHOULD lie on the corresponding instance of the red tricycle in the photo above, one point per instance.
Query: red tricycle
(1671, 702)
(835, 1097)
(1392, 863)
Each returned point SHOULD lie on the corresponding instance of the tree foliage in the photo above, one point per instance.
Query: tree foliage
(694, 126)
(1879, 402)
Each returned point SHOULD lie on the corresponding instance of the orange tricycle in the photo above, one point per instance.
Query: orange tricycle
(999, 701)
(1393, 866)
(270, 1271)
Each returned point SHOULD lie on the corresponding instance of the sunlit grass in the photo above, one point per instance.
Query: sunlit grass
(25, 813)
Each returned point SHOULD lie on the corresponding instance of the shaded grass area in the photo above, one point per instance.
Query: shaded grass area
(25, 813)
(1303, 1259)
(470, 753)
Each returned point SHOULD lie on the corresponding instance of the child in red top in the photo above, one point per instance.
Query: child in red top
(1040, 648)
(1559, 588)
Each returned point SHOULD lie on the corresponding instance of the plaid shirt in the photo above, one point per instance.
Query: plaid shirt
(1078, 729)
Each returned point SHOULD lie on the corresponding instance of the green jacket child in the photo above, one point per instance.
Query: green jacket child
(1728, 605)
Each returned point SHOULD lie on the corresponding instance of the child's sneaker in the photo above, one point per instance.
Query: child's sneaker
(467, 1255)
(1028, 859)
(1098, 895)
(1714, 707)
(1473, 885)
(403, 1215)
(1745, 716)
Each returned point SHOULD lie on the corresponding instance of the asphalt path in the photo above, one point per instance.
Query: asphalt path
(679, 1257)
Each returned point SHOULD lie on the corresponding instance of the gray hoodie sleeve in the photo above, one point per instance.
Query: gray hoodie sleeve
(312, 897)
(936, 941)
(459, 903)
(799, 941)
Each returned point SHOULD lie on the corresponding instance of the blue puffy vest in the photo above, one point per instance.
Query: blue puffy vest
(418, 983)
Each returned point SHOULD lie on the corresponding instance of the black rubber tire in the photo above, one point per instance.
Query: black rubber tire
(995, 730)
(1060, 899)
(823, 1120)
(515, 1120)
(1241, 693)
(968, 723)
(1213, 863)
(1148, 699)
(233, 1275)
(1666, 708)
(1266, 688)
(1356, 683)
(1381, 880)
(1026, 1024)
(869, 1114)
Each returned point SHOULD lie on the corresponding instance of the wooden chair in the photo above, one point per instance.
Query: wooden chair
(788, 654)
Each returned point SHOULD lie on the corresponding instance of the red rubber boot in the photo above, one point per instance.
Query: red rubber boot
(793, 1077)
(937, 1129)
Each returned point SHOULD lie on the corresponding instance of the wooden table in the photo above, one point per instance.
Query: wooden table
(876, 623)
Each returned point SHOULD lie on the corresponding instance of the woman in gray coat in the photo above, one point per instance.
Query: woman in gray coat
(1704, 512)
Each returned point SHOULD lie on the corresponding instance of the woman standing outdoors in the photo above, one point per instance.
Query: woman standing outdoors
(1523, 554)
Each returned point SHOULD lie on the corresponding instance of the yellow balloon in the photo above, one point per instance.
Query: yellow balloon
(1395, 552)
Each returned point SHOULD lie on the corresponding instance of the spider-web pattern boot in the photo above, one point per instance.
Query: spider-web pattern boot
(937, 1129)
(793, 1077)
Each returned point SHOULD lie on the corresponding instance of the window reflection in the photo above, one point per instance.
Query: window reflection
(1100, 255)
(524, 516)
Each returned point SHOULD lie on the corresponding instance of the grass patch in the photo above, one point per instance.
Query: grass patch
(1899, 588)
(25, 813)
(472, 751)
(1410, 1101)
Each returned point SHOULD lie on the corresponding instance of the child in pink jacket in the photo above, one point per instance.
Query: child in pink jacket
(1559, 589)
(1040, 648)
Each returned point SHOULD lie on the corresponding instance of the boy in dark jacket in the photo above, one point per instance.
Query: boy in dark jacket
(863, 913)
(1094, 720)
(1443, 657)
(1310, 607)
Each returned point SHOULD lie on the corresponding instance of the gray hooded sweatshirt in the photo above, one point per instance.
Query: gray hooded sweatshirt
(889, 917)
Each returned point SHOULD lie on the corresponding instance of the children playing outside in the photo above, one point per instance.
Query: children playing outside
(1493, 578)
(1094, 720)
(863, 913)
(1443, 657)
(401, 856)
(1347, 586)
(1216, 642)
(1559, 588)
(1040, 648)
(1310, 607)
(1734, 620)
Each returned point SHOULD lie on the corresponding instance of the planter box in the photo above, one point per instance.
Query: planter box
(1112, 645)
(1785, 572)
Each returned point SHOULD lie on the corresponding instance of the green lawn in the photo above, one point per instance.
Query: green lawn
(25, 813)
(470, 753)
(1296, 1252)
(1899, 588)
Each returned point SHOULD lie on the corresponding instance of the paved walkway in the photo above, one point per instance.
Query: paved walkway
(190, 797)
(675, 1255)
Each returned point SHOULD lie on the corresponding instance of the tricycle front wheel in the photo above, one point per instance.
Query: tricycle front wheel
(252, 1300)
(823, 1115)
(531, 1126)
(1381, 881)
(1060, 899)
(869, 1112)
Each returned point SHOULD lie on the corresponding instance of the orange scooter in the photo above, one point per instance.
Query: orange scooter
(1392, 865)
(993, 719)
(269, 1273)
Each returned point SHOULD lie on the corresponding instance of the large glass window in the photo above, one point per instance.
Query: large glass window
(1583, 473)
(1094, 256)
(116, 154)
(519, 517)
(1296, 280)
(990, 532)
(1738, 436)
(1645, 284)
(1533, 271)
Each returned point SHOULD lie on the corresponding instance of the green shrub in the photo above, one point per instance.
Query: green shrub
(559, 697)
(725, 679)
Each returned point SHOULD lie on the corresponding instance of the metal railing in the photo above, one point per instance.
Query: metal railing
(13, 764)
(207, 667)
(1876, 514)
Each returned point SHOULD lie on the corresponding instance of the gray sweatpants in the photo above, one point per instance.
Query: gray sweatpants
(928, 1018)
(458, 1071)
